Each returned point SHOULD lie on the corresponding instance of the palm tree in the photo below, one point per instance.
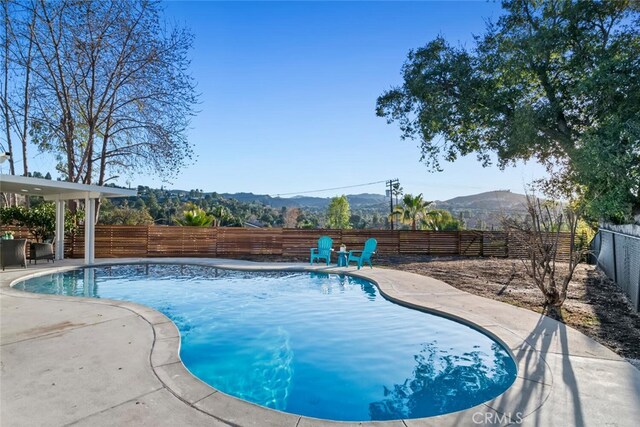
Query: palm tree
(413, 209)
(432, 221)
(440, 220)
(220, 214)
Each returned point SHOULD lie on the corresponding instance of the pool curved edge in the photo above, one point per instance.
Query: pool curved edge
(526, 395)
(168, 367)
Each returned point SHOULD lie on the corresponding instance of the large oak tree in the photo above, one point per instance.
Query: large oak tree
(556, 81)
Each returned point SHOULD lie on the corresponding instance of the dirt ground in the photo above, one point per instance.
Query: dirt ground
(594, 305)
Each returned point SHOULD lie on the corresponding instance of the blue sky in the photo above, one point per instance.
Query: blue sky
(288, 93)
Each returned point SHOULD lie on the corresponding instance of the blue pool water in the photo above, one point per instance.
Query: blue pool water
(320, 345)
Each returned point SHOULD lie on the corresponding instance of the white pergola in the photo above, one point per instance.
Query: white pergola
(60, 191)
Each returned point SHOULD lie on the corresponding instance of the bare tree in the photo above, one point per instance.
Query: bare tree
(545, 229)
(150, 107)
(5, 86)
(115, 94)
(290, 217)
(15, 97)
(54, 118)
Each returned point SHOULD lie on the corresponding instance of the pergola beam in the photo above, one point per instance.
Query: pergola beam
(75, 195)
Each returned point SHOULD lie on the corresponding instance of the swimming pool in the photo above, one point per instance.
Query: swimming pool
(312, 344)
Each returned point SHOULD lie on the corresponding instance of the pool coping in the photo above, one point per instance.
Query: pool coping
(541, 347)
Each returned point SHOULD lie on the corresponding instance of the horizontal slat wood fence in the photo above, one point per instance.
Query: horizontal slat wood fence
(114, 241)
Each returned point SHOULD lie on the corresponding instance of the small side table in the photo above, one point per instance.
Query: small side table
(342, 258)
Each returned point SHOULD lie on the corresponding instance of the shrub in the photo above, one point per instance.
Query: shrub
(40, 220)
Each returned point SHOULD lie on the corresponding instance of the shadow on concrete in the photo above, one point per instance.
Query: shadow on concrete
(542, 338)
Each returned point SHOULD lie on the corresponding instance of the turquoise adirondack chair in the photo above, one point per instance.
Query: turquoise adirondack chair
(323, 250)
(365, 254)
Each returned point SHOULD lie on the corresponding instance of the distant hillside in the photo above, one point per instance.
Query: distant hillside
(478, 211)
(500, 199)
(485, 210)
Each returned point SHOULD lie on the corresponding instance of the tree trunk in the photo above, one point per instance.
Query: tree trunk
(553, 305)
(5, 95)
(27, 80)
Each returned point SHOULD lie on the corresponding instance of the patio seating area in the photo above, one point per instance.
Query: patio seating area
(324, 251)
(16, 252)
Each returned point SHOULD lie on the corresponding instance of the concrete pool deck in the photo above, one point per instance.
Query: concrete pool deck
(84, 361)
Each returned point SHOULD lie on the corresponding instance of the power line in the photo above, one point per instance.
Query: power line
(328, 189)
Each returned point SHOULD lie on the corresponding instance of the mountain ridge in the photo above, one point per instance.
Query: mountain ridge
(485, 200)
(488, 199)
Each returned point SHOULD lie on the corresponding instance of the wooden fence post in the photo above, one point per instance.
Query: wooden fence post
(147, 244)
(215, 235)
(506, 244)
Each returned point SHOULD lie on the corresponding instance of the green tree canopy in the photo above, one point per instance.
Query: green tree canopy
(339, 213)
(556, 81)
(125, 215)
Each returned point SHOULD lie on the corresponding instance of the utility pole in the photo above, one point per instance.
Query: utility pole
(394, 185)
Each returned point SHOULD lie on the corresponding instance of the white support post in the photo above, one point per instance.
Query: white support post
(59, 243)
(89, 229)
(93, 229)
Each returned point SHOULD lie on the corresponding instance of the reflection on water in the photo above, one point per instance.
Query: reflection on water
(343, 283)
(443, 383)
(368, 289)
(89, 282)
